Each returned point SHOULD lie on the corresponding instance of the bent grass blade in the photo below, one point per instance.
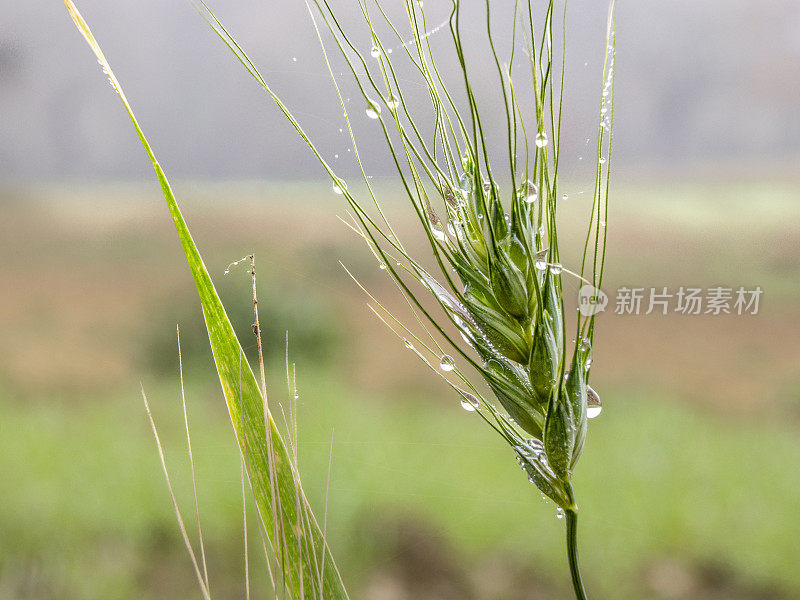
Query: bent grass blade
(272, 474)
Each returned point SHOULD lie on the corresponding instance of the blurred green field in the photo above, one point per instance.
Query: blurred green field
(688, 487)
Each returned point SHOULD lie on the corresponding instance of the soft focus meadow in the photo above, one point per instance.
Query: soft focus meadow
(689, 487)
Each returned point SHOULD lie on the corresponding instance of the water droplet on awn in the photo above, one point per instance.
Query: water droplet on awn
(533, 193)
(375, 52)
(541, 140)
(447, 363)
(438, 231)
(468, 406)
(373, 110)
(468, 402)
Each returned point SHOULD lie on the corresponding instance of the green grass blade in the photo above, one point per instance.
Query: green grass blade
(272, 473)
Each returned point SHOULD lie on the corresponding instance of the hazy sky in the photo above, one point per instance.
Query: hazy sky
(698, 82)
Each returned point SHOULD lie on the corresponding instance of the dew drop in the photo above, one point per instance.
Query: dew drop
(392, 102)
(540, 265)
(559, 513)
(594, 405)
(438, 231)
(533, 194)
(373, 110)
(468, 401)
(541, 140)
(565, 197)
(447, 363)
(375, 52)
(602, 223)
(556, 268)
(602, 160)
(408, 344)
(339, 187)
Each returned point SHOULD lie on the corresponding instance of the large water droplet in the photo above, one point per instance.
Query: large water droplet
(468, 401)
(339, 187)
(594, 404)
(556, 268)
(392, 102)
(533, 193)
(541, 140)
(373, 110)
(447, 363)
(540, 265)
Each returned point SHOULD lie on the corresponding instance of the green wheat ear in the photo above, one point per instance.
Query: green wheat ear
(506, 300)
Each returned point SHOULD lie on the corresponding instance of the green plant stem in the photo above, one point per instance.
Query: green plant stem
(572, 554)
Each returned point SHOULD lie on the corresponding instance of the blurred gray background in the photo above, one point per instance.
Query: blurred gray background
(703, 85)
